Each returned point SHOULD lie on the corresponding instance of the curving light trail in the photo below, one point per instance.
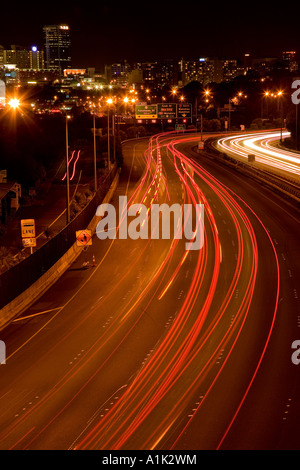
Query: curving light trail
(74, 165)
(208, 320)
(266, 154)
(147, 413)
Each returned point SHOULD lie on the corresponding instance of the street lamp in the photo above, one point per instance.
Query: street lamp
(279, 95)
(67, 171)
(109, 102)
(95, 153)
(14, 103)
(126, 101)
(265, 95)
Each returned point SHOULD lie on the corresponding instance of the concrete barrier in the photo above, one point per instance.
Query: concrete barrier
(30, 295)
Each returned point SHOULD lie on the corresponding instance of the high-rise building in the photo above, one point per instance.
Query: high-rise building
(17, 55)
(119, 73)
(57, 42)
(1, 56)
(204, 70)
(22, 58)
(36, 59)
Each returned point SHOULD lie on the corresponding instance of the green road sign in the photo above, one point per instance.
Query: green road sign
(184, 110)
(166, 111)
(146, 111)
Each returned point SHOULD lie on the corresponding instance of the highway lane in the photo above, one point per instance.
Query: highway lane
(269, 415)
(186, 374)
(40, 367)
(133, 345)
(187, 356)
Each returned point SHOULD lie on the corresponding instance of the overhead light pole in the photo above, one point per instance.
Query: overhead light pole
(279, 95)
(67, 173)
(109, 101)
(95, 154)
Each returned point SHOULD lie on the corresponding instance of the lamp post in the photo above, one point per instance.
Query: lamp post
(95, 154)
(296, 126)
(109, 101)
(67, 172)
(229, 113)
(265, 97)
(279, 95)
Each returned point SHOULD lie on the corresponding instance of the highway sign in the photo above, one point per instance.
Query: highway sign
(28, 242)
(184, 110)
(84, 237)
(146, 111)
(166, 111)
(28, 228)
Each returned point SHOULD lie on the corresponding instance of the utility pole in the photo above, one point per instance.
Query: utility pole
(95, 154)
(67, 172)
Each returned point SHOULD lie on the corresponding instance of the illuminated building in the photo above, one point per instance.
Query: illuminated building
(57, 42)
(289, 58)
(36, 59)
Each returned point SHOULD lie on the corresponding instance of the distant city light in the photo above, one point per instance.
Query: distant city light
(34, 48)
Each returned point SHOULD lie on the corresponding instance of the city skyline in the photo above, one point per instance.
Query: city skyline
(106, 33)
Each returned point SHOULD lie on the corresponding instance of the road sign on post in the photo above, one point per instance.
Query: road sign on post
(180, 127)
(84, 237)
(28, 228)
(29, 242)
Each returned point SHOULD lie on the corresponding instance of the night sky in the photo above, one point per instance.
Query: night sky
(104, 31)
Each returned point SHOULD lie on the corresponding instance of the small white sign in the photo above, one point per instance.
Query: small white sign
(28, 242)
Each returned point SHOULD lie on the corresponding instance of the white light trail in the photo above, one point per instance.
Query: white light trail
(259, 145)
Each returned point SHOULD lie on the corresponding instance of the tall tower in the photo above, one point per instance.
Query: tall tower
(57, 43)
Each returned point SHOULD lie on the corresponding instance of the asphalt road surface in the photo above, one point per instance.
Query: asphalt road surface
(157, 347)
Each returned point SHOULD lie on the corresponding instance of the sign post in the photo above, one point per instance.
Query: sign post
(180, 127)
(28, 233)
